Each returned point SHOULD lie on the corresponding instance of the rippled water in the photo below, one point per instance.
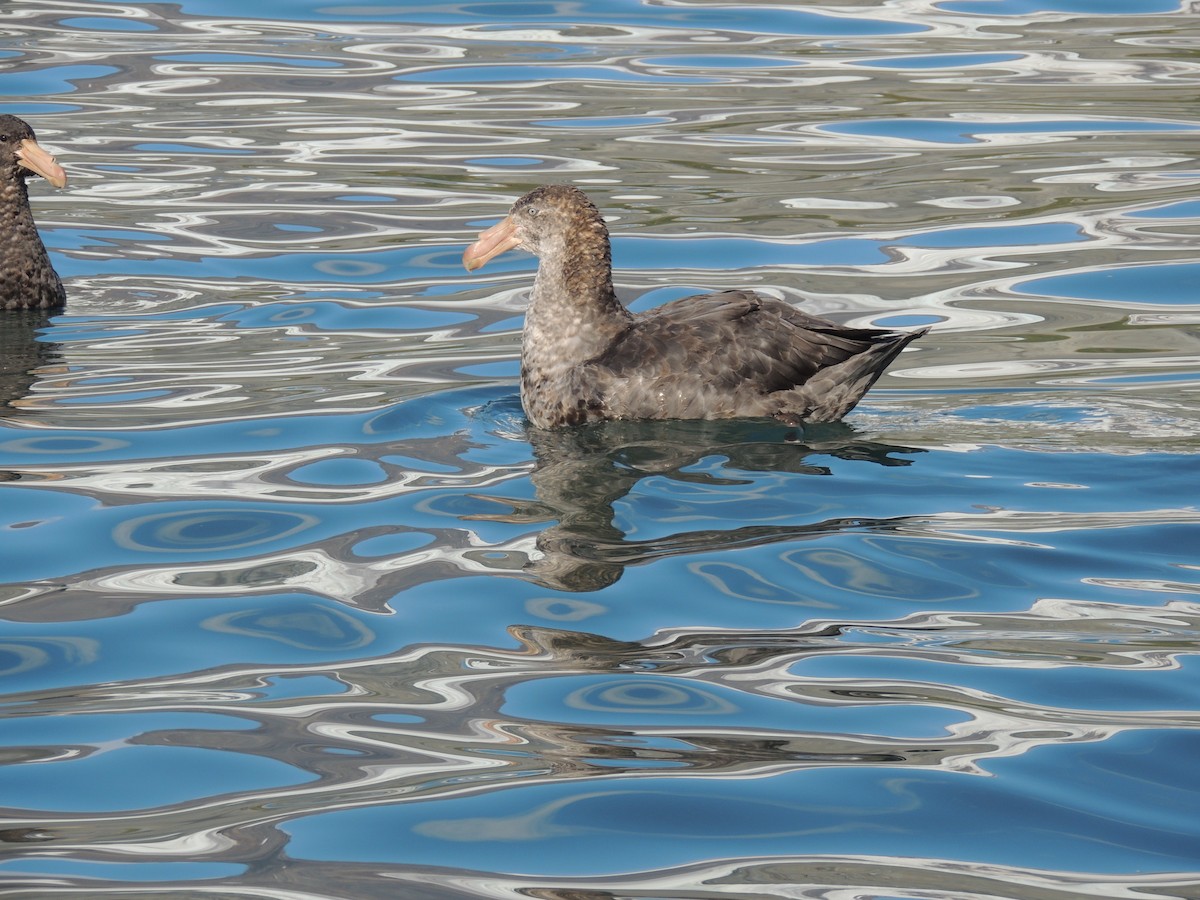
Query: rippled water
(295, 606)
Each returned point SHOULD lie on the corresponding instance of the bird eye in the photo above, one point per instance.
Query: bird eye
(532, 211)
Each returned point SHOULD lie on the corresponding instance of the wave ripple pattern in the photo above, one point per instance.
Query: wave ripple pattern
(295, 606)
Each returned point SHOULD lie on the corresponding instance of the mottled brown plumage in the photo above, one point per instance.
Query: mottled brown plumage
(586, 358)
(27, 279)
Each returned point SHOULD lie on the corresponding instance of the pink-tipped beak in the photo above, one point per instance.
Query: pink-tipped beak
(35, 159)
(499, 238)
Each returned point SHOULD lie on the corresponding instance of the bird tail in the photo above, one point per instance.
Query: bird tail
(834, 391)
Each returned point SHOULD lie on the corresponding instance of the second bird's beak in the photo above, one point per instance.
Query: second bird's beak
(31, 155)
(499, 238)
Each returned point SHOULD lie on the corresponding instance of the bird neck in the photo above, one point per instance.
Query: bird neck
(29, 280)
(14, 204)
(574, 313)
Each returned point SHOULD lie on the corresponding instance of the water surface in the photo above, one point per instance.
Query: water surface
(295, 605)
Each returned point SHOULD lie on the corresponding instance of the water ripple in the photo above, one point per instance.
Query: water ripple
(271, 513)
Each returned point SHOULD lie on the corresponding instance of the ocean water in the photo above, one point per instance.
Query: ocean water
(295, 606)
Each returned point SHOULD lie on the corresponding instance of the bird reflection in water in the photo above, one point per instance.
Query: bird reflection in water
(580, 473)
(21, 356)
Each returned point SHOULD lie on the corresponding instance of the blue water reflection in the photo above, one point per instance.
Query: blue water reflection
(965, 131)
(296, 603)
(1169, 284)
(540, 828)
(106, 23)
(59, 867)
(50, 81)
(759, 19)
(110, 781)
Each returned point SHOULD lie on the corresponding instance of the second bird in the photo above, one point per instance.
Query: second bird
(27, 279)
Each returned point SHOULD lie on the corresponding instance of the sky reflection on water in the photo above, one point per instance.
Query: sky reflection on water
(297, 606)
